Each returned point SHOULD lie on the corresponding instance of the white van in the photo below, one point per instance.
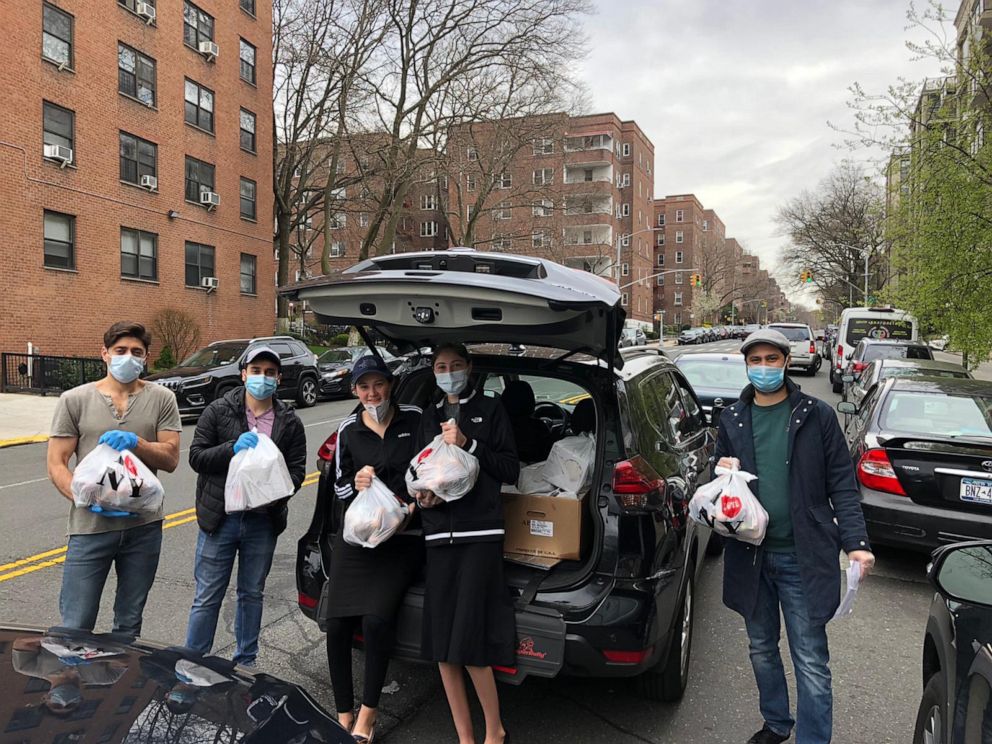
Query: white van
(857, 323)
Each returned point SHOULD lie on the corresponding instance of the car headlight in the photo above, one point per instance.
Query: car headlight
(195, 382)
(335, 374)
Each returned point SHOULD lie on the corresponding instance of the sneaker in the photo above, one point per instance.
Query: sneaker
(767, 736)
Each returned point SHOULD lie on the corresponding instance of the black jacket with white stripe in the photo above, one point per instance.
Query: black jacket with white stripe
(477, 516)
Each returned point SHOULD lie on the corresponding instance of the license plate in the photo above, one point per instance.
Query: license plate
(977, 490)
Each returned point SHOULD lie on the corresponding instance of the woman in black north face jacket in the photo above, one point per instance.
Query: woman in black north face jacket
(468, 616)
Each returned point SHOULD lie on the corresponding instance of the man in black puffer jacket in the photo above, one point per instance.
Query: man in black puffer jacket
(229, 425)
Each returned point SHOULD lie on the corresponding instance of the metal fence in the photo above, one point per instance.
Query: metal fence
(38, 373)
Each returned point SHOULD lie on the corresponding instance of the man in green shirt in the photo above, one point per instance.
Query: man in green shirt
(806, 483)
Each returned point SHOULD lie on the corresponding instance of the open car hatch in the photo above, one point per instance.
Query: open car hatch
(421, 299)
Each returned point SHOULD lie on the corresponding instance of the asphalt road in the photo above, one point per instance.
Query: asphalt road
(875, 654)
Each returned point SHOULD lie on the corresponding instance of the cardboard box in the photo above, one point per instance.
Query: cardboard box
(543, 526)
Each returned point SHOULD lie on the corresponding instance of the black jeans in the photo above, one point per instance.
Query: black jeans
(378, 639)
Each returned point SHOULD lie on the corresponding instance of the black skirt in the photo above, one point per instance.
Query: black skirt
(468, 611)
(372, 581)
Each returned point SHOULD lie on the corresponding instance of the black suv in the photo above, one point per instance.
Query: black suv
(215, 369)
(625, 607)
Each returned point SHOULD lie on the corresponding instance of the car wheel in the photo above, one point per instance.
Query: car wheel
(932, 713)
(667, 684)
(306, 395)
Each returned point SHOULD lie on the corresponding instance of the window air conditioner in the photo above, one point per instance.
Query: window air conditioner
(209, 49)
(149, 182)
(146, 11)
(209, 199)
(59, 152)
(210, 282)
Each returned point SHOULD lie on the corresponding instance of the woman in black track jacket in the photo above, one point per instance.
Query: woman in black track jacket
(468, 612)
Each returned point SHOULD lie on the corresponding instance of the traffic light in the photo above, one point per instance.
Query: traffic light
(806, 277)
(695, 280)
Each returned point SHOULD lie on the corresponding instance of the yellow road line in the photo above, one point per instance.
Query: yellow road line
(29, 565)
(23, 440)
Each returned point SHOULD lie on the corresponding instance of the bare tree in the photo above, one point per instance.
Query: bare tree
(178, 330)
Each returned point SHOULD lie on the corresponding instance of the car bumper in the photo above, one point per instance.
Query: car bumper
(335, 386)
(901, 522)
(803, 361)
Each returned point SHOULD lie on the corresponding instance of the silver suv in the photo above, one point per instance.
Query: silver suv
(804, 353)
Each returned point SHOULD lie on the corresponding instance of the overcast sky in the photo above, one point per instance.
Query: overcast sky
(736, 95)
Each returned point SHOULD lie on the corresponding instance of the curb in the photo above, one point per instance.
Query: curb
(23, 440)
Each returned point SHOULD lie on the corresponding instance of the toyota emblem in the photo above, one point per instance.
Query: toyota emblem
(987, 465)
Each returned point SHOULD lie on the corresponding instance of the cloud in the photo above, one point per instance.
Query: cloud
(736, 96)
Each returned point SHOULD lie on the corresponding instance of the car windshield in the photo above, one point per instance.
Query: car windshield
(546, 390)
(714, 373)
(938, 414)
(895, 351)
(888, 372)
(216, 355)
(336, 356)
(793, 334)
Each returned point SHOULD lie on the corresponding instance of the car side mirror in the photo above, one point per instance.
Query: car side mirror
(847, 408)
(847, 378)
(963, 573)
(715, 413)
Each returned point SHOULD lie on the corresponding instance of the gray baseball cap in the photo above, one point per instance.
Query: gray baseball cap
(767, 336)
(260, 350)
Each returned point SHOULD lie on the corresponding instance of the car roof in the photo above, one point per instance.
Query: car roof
(890, 342)
(257, 339)
(787, 325)
(920, 364)
(711, 356)
(925, 384)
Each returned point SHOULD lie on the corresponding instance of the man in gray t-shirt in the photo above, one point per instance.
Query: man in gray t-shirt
(124, 413)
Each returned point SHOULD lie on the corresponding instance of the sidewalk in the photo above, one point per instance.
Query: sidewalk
(25, 418)
(982, 372)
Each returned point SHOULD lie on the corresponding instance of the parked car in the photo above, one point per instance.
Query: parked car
(940, 342)
(625, 608)
(717, 379)
(856, 323)
(751, 328)
(856, 386)
(868, 350)
(212, 371)
(112, 689)
(804, 354)
(922, 449)
(957, 649)
(689, 336)
(633, 337)
(335, 366)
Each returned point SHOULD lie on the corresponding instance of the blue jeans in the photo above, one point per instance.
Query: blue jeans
(781, 585)
(249, 537)
(134, 555)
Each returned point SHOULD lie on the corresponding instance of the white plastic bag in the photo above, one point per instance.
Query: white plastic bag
(532, 480)
(444, 469)
(117, 481)
(256, 476)
(569, 465)
(727, 505)
(373, 517)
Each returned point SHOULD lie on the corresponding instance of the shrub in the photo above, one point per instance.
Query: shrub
(165, 359)
(340, 340)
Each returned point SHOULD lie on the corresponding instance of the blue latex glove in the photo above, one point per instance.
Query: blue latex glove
(120, 440)
(109, 512)
(246, 441)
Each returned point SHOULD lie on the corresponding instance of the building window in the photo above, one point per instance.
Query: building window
(135, 74)
(199, 179)
(247, 121)
(539, 239)
(678, 298)
(428, 201)
(679, 237)
(472, 153)
(58, 127)
(132, 5)
(248, 205)
(543, 208)
(587, 174)
(544, 146)
(624, 269)
(624, 180)
(338, 220)
(138, 158)
(679, 215)
(199, 263)
(337, 249)
(469, 212)
(661, 259)
(504, 181)
(678, 277)
(626, 149)
(60, 238)
(198, 25)
(471, 184)
(502, 211)
(248, 266)
(428, 229)
(199, 106)
(625, 240)
(247, 55)
(139, 254)
(661, 219)
(706, 225)
(544, 177)
(661, 279)
(678, 257)
(248, 6)
(363, 220)
(56, 36)
(502, 243)
(659, 239)
(625, 210)
(623, 299)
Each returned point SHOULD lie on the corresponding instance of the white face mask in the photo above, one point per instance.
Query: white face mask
(453, 383)
(377, 411)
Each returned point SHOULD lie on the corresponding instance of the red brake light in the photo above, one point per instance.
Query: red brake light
(840, 356)
(875, 471)
(307, 601)
(634, 481)
(326, 451)
(812, 347)
(628, 657)
(859, 366)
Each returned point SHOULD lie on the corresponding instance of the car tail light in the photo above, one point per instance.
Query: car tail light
(326, 451)
(634, 481)
(628, 657)
(812, 347)
(859, 366)
(875, 471)
(307, 601)
(840, 356)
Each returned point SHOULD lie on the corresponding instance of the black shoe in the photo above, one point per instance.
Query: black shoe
(767, 736)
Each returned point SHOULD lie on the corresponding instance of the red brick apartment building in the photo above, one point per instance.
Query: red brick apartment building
(136, 148)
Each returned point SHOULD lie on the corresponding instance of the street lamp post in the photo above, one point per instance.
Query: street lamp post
(866, 254)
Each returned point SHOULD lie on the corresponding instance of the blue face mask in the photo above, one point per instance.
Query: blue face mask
(766, 379)
(125, 368)
(261, 387)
